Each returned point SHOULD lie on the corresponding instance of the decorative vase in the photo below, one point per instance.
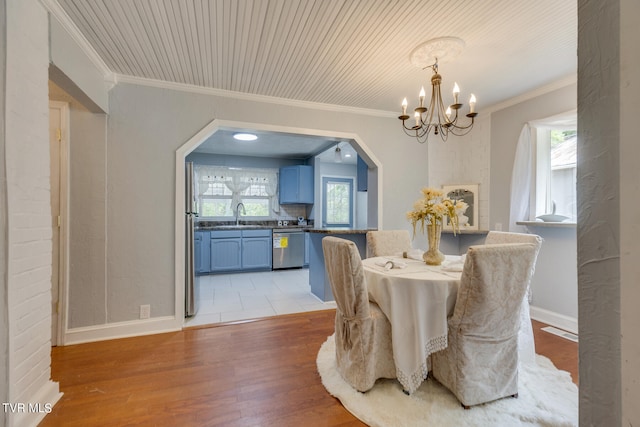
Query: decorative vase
(433, 256)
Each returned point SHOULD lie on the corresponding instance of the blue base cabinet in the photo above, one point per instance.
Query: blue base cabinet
(236, 250)
(256, 249)
(296, 185)
(225, 250)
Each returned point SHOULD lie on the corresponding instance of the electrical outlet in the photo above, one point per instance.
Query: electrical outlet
(145, 311)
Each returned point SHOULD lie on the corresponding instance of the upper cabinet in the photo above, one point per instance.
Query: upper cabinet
(296, 184)
(362, 171)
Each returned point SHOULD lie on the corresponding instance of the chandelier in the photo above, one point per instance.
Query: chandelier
(436, 118)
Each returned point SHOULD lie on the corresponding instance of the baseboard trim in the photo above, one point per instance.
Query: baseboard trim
(561, 321)
(156, 325)
(43, 400)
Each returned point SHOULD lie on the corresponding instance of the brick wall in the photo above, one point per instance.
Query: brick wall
(464, 160)
(29, 210)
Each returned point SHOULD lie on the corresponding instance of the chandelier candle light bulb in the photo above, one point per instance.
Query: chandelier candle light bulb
(472, 104)
(404, 107)
(456, 92)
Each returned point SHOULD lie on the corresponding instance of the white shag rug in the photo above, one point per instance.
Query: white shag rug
(546, 397)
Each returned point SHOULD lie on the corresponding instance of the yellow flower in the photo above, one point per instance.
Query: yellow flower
(433, 207)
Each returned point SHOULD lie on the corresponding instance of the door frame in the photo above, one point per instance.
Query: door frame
(375, 191)
(63, 243)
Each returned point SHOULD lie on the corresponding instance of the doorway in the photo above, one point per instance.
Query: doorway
(59, 181)
(374, 196)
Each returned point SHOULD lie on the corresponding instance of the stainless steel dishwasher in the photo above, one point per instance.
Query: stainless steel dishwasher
(288, 248)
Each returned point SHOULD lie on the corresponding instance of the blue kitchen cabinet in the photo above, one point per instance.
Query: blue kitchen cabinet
(362, 174)
(296, 185)
(201, 252)
(226, 249)
(256, 249)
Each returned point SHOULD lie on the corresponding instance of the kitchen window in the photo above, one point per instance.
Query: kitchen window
(221, 189)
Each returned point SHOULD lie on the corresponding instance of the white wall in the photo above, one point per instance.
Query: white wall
(464, 160)
(629, 218)
(73, 71)
(323, 169)
(28, 211)
(506, 125)
(4, 307)
(146, 125)
(555, 283)
(608, 230)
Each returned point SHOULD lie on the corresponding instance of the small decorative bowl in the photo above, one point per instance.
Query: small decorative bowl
(552, 218)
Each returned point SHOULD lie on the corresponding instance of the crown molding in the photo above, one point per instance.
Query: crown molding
(558, 84)
(61, 16)
(121, 78)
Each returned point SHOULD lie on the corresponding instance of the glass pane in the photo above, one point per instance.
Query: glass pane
(338, 203)
(562, 188)
(217, 189)
(216, 207)
(256, 189)
(256, 207)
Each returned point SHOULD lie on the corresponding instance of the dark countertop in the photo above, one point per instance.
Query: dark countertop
(307, 228)
(249, 227)
(339, 230)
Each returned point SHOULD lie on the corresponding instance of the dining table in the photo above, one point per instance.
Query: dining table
(417, 299)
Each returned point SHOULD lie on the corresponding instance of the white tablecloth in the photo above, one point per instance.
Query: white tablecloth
(417, 300)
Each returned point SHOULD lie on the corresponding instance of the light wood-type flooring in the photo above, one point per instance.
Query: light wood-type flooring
(260, 373)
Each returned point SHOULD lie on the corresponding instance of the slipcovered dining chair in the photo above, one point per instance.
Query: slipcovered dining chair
(480, 363)
(387, 242)
(526, 344)
(362, 331)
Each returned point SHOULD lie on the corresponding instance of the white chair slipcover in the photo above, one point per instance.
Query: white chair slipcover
(387, 242)
(362, 331)
(526, 344)
(480, 363)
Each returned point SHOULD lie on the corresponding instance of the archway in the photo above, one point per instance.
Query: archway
(374, 196)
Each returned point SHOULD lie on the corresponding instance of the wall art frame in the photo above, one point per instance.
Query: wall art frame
(469, 194)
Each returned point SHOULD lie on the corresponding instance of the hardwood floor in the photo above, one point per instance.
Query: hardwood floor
(261, 373)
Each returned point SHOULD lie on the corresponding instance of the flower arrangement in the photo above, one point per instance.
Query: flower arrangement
(433, 207)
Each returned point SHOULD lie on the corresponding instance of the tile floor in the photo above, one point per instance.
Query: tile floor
(241, 296)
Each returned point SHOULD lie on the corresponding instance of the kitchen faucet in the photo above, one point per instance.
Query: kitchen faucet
(244, 212)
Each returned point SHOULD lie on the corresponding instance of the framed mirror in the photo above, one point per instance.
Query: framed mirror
(469, 194)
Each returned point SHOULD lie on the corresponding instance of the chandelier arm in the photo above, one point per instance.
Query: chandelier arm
(414, 134)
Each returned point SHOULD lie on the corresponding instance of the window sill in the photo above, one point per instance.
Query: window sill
(547, 224)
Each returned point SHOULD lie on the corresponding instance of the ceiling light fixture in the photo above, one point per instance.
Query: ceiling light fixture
(337, 155)
(245, 136)
(435, 118)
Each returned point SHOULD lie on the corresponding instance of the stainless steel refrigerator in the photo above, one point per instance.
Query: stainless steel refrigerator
(192, 283)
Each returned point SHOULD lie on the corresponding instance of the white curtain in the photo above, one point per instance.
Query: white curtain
(272, 190)
(521, 178)
(238, 180)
